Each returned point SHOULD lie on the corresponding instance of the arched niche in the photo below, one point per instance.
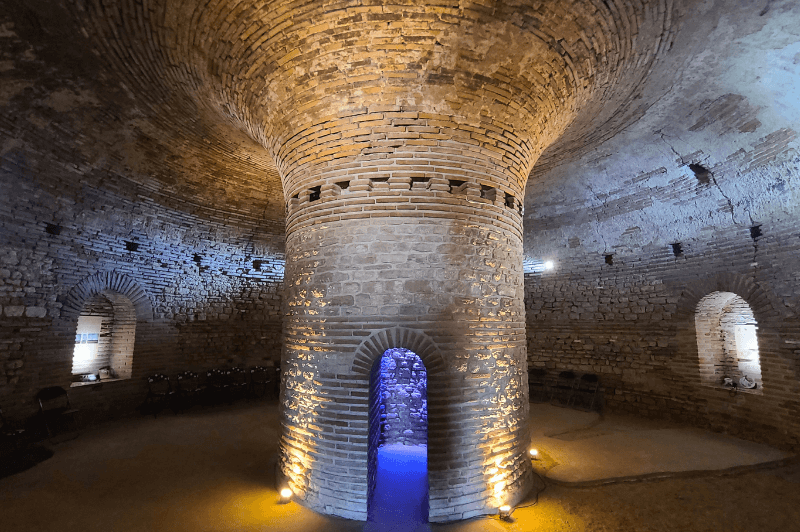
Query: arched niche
(727, 342)
(104, 309)
(397, 471)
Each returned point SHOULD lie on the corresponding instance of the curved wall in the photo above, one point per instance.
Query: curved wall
(698, 196)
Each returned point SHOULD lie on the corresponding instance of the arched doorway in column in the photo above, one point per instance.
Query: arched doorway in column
(398, 440)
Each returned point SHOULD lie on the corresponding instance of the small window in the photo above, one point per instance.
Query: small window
(87, 338)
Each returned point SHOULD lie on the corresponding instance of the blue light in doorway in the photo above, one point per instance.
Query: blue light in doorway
(398, 454)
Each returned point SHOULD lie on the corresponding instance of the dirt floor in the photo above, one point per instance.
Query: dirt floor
(213, 470)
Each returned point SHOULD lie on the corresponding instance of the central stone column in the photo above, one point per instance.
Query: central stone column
(421, 229)
(404, 143)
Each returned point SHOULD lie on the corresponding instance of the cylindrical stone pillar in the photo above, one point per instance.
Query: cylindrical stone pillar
(426, 235)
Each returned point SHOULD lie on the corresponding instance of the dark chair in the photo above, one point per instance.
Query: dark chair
(188, 389)
(586, 390)
(237, 380)
(260, 381)
(159, 394)
(56, 412)
(537, 384)
(563, 388)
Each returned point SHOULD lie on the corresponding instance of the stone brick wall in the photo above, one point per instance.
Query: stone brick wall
(404, 142)
(636, 321)
(633, 324)
(212, 287)
(405, 396)
(100, 192)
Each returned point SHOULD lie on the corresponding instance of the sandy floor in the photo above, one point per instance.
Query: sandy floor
(212, 470)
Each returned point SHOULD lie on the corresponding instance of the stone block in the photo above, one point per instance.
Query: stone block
(35, 312)
(14, 311)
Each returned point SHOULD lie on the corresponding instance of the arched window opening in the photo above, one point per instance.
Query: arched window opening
(727, 342)
(398, 440)
(104, 338)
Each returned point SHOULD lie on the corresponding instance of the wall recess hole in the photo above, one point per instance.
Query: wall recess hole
(509, 201)
(485, 190)
(257, 265)
(454, 184)
(314, 193)
(53, 229)
(677, 249)
(343, 184)
(131, 246)
(755, 232)
(609, 259)
(702, 173)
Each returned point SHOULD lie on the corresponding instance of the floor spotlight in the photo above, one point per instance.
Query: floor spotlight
(505, 512)
(549, 265)
(534, 454)
(286, 495)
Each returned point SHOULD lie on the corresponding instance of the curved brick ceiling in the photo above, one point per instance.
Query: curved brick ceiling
(273, 70)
